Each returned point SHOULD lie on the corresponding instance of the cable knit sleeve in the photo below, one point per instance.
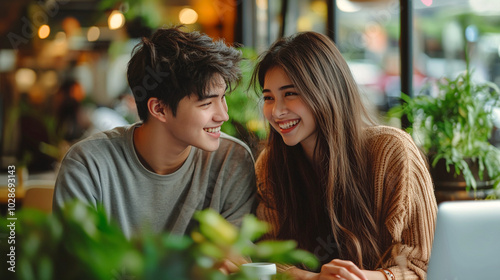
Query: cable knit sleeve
(405, 206)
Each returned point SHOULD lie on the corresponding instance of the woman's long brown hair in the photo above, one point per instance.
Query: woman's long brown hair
(332, 196)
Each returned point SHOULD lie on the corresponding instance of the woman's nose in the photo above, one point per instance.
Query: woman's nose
(279, 109)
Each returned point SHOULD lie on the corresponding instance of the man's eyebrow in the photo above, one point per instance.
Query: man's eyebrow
(204, 97)
(212, 95)
(281, 88)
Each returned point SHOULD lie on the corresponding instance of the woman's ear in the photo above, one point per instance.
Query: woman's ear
(158, 109)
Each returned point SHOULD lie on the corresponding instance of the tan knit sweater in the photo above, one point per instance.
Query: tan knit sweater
(405, 207)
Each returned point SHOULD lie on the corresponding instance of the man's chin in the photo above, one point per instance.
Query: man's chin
(208, 147)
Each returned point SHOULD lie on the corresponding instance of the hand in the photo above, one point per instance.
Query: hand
(339, 269)
(227, 267)
(232, 264)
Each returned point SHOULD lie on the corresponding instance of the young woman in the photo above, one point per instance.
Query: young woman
(357, 195)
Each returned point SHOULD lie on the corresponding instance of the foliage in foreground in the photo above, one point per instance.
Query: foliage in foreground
(80, 243)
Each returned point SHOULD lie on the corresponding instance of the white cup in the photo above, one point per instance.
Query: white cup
(264, 271)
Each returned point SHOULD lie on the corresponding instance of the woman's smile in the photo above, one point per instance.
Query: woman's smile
(286, 111)
(287, 126)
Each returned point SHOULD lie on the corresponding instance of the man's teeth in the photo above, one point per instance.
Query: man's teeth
(288, 124)
(212, 130)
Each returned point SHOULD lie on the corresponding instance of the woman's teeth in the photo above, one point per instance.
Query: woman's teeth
(212, 130)
(289, 124)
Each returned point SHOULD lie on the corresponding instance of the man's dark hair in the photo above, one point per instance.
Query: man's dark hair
(173, 64)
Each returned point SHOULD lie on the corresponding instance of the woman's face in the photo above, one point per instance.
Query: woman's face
(286, 111)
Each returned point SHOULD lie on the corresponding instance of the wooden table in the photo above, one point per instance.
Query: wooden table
(45, 179)
(4, 194)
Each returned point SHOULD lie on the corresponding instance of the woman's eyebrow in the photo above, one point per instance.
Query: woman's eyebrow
(286, 87)
(281, 88)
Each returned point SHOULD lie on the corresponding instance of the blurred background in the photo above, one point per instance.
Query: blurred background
(63, 63)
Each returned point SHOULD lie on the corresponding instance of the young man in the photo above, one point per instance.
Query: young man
(155, 174)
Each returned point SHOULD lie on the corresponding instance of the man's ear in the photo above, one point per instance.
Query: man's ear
(158, 109)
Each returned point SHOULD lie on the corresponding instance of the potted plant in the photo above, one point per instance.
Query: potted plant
(81, 243)
(453, 128)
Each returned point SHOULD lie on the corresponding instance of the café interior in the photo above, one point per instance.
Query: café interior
(63, 68)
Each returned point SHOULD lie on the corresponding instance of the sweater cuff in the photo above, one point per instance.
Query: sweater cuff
(282, 268)
(403, 274)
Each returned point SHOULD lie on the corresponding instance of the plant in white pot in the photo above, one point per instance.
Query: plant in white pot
(453, 128)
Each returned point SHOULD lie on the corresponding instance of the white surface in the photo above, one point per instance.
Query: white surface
(467, 241)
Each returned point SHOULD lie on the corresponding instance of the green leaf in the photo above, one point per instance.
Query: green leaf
(176, 242)
(45, 268)
(212, 250)
(283, 252)
(305, 257)
(268, 248)
(252, 228)
(215, 227)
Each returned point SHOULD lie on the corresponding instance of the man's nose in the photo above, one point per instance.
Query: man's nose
(221, 114)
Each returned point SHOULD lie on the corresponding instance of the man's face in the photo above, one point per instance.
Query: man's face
(198, 121)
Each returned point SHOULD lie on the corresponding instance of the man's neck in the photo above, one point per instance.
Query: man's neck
(155, 152)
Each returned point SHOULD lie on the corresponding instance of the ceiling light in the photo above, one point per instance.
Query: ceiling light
(116, 20)
(188, 16)
(44, 31)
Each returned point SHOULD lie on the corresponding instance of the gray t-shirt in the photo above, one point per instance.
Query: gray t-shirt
(104, 169)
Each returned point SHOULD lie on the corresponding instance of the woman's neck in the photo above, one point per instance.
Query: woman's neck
(308, 148)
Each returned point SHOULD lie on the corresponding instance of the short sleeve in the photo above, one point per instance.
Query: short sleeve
(238, 183)
(74, 182)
